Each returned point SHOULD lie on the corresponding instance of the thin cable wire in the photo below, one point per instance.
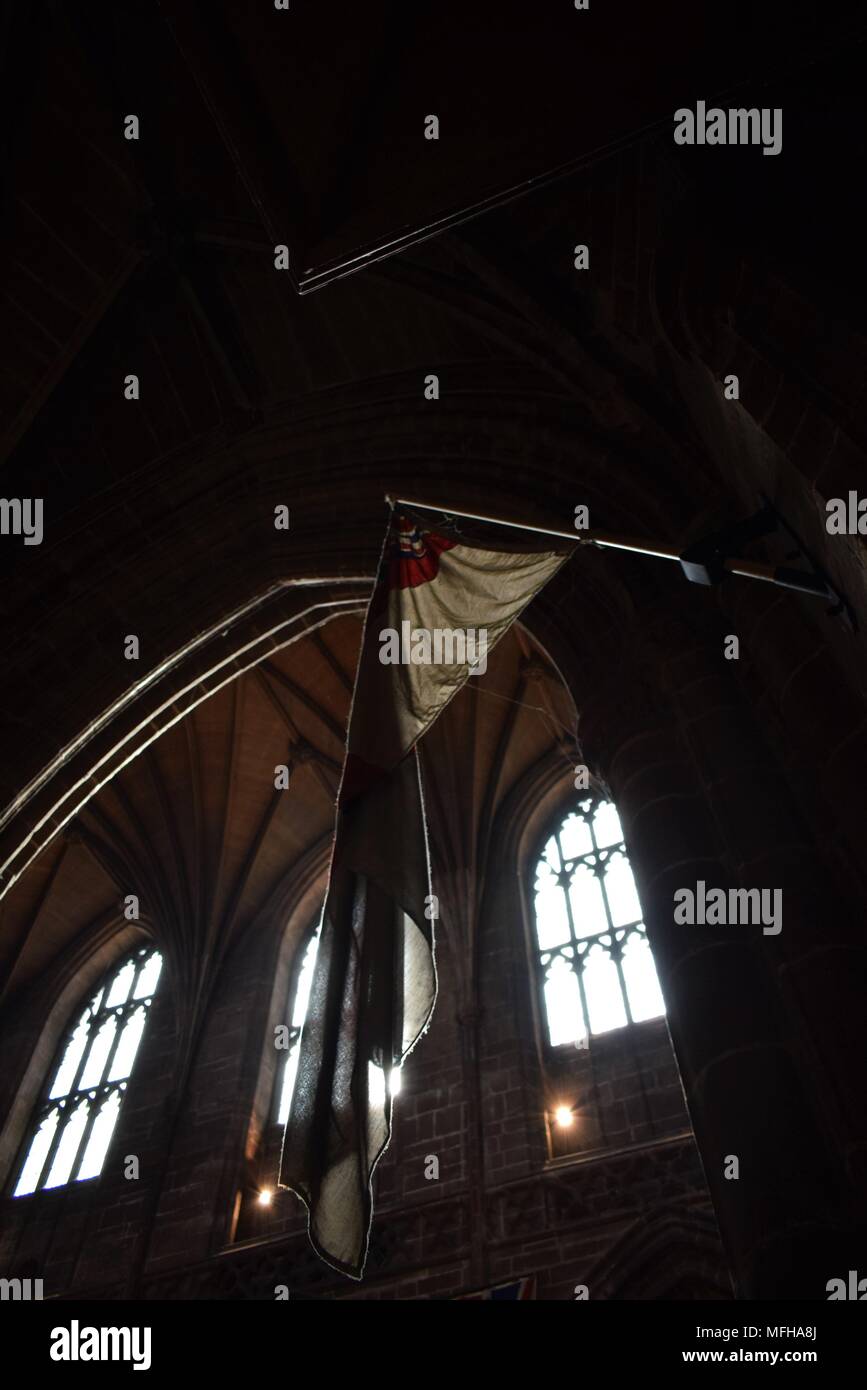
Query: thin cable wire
(553, 723)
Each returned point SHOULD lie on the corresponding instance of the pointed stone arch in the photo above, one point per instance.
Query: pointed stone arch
(673, 1254)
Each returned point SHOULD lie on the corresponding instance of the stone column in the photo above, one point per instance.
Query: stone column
(762, 1025)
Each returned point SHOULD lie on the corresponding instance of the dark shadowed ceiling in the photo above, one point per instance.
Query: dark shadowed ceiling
(155, 257)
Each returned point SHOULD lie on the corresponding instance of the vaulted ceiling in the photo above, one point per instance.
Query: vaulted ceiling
(194, 826)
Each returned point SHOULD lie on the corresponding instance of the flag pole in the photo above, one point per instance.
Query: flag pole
(707, 569)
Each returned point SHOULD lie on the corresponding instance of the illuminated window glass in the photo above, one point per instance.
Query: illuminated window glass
(296, 1013)
(596, 967)
(73, 1123)
(299, 996)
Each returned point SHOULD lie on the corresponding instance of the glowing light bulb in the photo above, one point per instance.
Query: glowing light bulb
(265, 1197)
(564, 1116)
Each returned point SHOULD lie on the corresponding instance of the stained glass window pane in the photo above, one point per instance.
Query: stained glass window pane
(288, 1085)
(149, 977)
(622, 894)
(563, 1003)
(551, 855)
(585, 895)
(98, 1054)
(305, 981)
(642, 984)
(606, 825)
(100, 1138)
(68, 1069)
(575, 838)
(37, 1154)
(376, 1084)
(119, 992)
(67, 1149)
(603, 993)
(127, 1047)
(552, 919)
(297, 1006)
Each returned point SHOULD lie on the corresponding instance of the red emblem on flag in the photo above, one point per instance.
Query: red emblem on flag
(415, 555)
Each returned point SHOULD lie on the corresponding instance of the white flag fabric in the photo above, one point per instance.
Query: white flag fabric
(439, 606)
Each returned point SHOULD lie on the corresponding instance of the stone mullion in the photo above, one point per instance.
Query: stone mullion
(577, 958)
(615, 945)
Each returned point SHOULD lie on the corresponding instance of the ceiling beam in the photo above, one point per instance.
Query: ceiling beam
(234, 103)
(67, 355)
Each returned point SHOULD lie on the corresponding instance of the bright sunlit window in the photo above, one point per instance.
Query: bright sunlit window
(597, 969)
(299, 999)
(74, 1122)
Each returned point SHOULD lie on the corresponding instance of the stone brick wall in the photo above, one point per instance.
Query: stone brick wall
(500, 1208)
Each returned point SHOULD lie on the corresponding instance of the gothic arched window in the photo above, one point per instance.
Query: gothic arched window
(596, 966)
(73, 1123)
(296, 1013)
(299, 996)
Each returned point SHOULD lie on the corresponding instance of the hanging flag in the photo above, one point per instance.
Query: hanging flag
(438, 608)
